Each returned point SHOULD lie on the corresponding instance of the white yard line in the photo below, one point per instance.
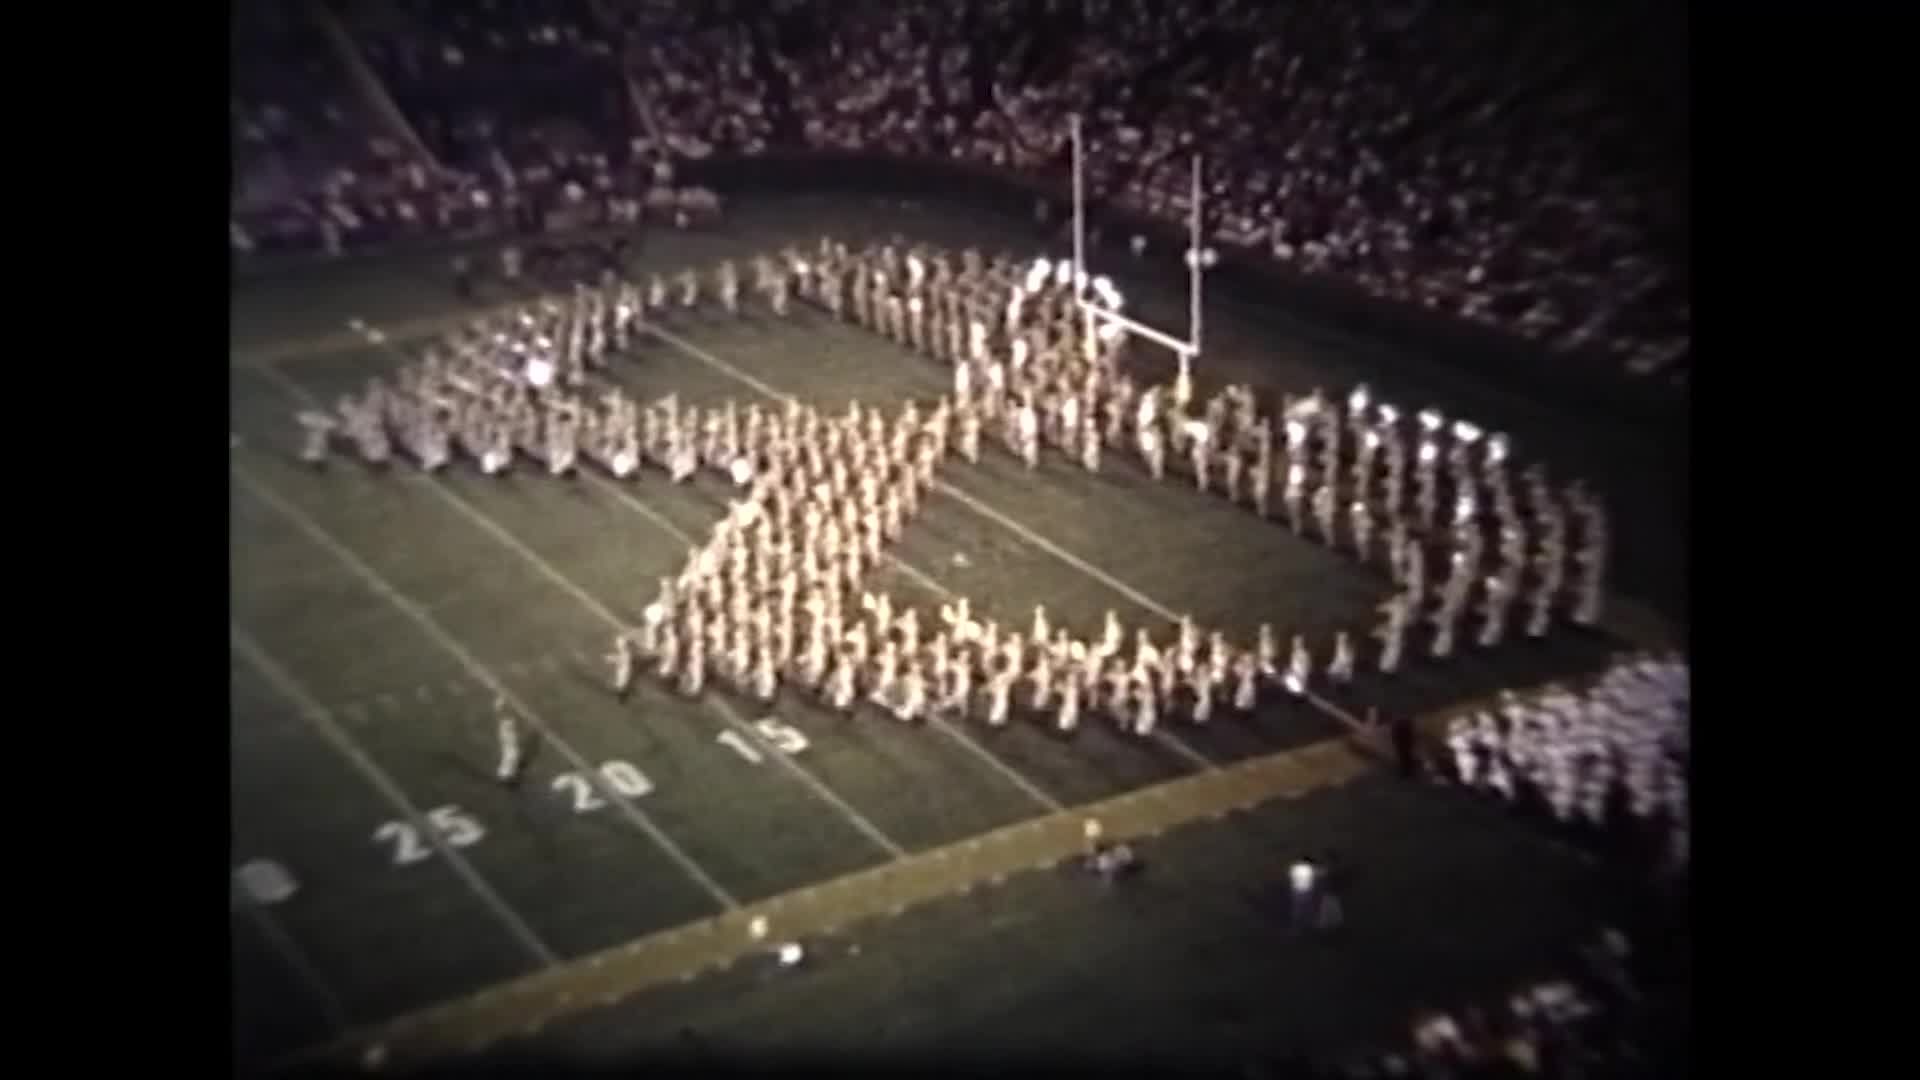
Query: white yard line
(322, 723)
(1165, 736)
(426, 691)
(486, 678)
(296, 960)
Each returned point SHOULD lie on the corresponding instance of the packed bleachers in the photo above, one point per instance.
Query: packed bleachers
(1505, 167)
(1613, 1009)
(298, 134)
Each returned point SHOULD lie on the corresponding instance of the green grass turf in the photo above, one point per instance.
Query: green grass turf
(386, 939)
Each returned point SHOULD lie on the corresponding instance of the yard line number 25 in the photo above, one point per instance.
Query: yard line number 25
(454, 826)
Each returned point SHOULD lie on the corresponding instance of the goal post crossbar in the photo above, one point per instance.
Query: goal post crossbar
(1186, 349)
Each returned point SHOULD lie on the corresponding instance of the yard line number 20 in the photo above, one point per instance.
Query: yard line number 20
(620, 776)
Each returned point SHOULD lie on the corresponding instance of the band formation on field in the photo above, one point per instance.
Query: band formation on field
(773, 598)
(776, 600)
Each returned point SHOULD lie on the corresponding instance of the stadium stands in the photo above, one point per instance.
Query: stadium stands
(1497, 167)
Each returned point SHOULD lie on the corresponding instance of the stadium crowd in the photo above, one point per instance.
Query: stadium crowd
(1610, 1013)
(1486, 165)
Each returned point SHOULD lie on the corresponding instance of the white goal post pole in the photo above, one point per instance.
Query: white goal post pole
(1193, 269)
(1080, 233)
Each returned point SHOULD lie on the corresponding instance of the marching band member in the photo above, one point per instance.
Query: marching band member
(958, 700)
(1203, 690)
(1041, 680)
(1154, 450)
(1325, 513)
(1591, 558)
(1090, 445)
(1218, 655)
(765, 675)
(319, 428)
(1200, 437)
(886, 673)
(913, 693)
(1146, 715)
(1111, 636)
(841, 685)
(693, 672)
(1067, 719)
(1246, 674)
(1299, 667)
(666, 658)
(1499, 594)
(1426, 482)
(1443, 620)
(1362, 524)
(970, 435)
(622, 660)
(999, 696)
(1029, 442)
(1396, 480)
(1041, 629)
(1293, 495)
(1262, 473)
(1392, 632)
(1267, 654)
(1235, 467)
(511, 743)
(1340, 669)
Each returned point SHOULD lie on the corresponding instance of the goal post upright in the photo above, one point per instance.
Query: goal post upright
(1080, 235)
(1194, 305)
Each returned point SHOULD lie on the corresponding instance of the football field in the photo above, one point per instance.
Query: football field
(376, 616)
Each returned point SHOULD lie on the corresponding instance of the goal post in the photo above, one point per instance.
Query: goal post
(1189, 347)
